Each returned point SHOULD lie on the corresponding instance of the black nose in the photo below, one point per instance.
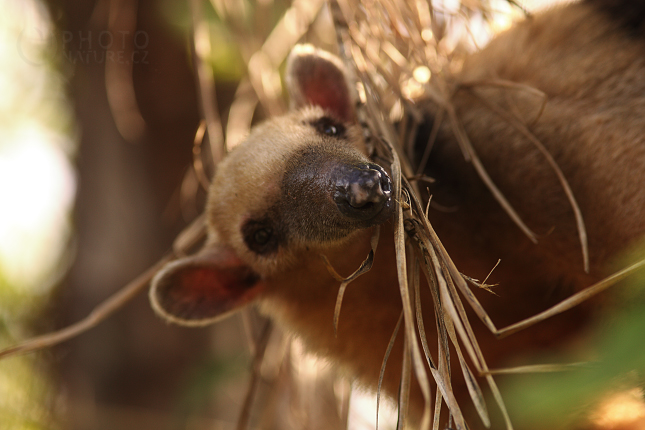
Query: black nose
(363, 191)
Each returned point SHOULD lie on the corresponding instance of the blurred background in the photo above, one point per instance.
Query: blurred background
(98, 111)
(100, 102)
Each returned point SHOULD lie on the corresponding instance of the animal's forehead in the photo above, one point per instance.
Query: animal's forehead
(271, 144)
(248, 179)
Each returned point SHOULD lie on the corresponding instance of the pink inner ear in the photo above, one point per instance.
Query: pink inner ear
(330, 95)
(216, 286)
(202, 289)
(206, 284)
(315, 78)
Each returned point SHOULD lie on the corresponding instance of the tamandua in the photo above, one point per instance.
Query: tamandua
(302, 185)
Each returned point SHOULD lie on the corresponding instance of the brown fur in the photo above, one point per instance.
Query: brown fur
(594, 78)
(592, 72)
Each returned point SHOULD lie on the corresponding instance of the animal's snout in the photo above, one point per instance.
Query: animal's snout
(362, 192)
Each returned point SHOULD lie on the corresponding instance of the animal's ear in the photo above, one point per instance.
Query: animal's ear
(316, 77)
(203, 288)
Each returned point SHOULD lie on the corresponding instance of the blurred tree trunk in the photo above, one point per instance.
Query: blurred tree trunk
(127, 215)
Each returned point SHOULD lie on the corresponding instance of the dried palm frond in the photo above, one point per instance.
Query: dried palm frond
(395, 51)
(402, 52)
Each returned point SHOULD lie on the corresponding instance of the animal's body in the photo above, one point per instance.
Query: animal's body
(302, 185)
(590, 66)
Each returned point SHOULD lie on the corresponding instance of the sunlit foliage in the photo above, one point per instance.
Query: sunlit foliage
(36, 191)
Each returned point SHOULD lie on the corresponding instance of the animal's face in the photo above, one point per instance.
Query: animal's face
(299, 182)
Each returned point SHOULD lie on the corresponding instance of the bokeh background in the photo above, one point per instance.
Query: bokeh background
(98, 111)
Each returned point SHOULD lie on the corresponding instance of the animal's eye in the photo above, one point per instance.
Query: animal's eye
(328, 127)
(262, 235)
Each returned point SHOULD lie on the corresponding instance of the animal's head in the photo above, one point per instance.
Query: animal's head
(301, 181)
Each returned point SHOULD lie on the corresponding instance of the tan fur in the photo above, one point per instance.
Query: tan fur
(592, 124)
(248, 181)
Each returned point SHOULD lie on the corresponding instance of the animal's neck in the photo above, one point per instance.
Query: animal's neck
(306, 298)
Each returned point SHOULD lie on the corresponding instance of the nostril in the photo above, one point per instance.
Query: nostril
(366, 190)
(386, 183)
(362, 191)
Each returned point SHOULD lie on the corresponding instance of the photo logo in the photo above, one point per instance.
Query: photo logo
(85, 47)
